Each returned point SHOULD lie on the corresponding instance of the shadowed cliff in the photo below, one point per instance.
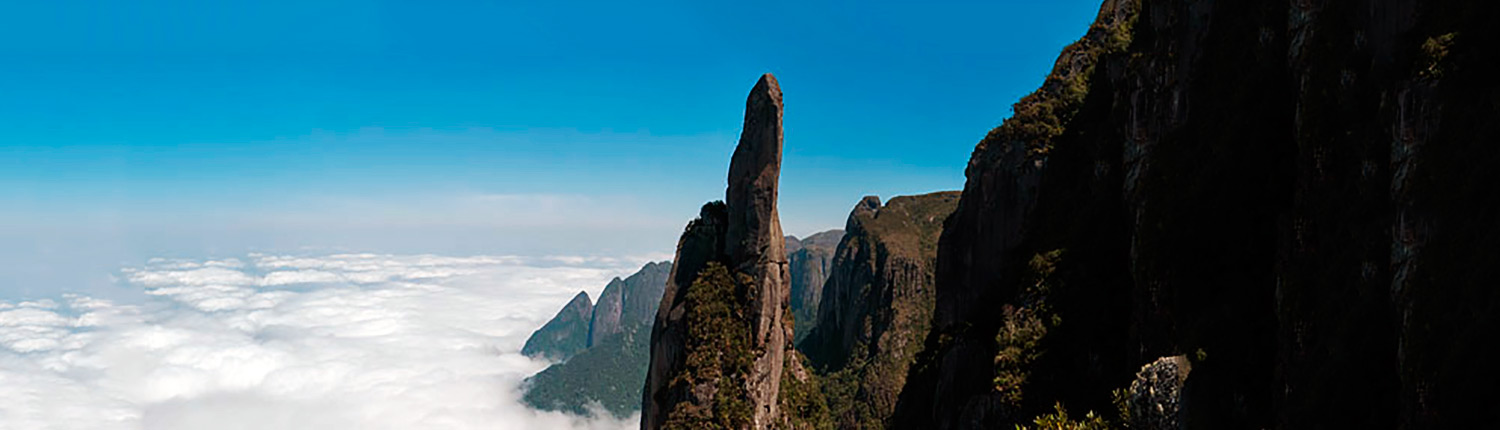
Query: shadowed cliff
(808, 262)
(1291, 196)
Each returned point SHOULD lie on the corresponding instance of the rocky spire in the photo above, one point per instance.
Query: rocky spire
(754, 241)
(744, 236)
(754, 235)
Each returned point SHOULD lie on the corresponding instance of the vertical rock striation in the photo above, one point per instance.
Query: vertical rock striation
(722, 332)
(643, 293)
(606, 318)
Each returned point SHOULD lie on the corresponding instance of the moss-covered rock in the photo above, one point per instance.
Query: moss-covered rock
(718, 359)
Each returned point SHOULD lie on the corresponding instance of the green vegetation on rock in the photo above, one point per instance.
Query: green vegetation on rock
(802, 399)
(718, 355)
(611, 373)
(1041, 116)
(877, 306)
(603, 349)
(1435, 52)
(1020, 338)
(1059, 420)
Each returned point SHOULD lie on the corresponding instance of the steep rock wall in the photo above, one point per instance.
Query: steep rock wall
(1292, 195)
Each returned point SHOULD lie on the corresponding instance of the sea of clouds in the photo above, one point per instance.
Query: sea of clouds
(279, 342)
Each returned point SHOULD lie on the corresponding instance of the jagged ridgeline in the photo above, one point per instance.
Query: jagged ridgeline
(1231, 215)
(581, 325)
(604, 347)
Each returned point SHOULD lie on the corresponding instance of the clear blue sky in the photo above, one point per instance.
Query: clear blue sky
(138, 129)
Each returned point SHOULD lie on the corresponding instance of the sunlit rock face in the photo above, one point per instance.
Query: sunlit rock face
(741, 243)
(626, 303)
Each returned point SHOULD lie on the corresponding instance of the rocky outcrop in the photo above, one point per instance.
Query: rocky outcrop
(1295, 195)
(722, 336)
(605, 320)
(808, 261)
(975, 367)
(643, 292)
(611, 370)
(753, 243)
(606, 359)
(877, 305)
(565, 334)
(628, 302)
(1154, 399)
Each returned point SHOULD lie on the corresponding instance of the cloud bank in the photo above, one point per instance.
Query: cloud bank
(280, 342)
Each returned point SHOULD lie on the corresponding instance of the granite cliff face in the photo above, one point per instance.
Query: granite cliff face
(606, 317)
(565, 334)
(808, 261)
(628, 302)
(1294, 196)
(723, 333)
(877, 305)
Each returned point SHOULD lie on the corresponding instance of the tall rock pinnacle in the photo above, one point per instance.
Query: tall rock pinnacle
(754, 227)
(754, 240)
(721, 335)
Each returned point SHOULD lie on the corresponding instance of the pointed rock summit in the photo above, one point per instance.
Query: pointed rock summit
(722, 335)
(755, 243)
(565, 335)
(754, 235)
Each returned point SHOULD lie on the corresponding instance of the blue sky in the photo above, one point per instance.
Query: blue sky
(138, 129)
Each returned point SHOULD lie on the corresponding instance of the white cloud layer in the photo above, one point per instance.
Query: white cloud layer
(276, 342)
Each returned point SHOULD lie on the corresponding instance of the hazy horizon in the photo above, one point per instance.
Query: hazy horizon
(287, 342)
(180, 129)
(351, 214)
